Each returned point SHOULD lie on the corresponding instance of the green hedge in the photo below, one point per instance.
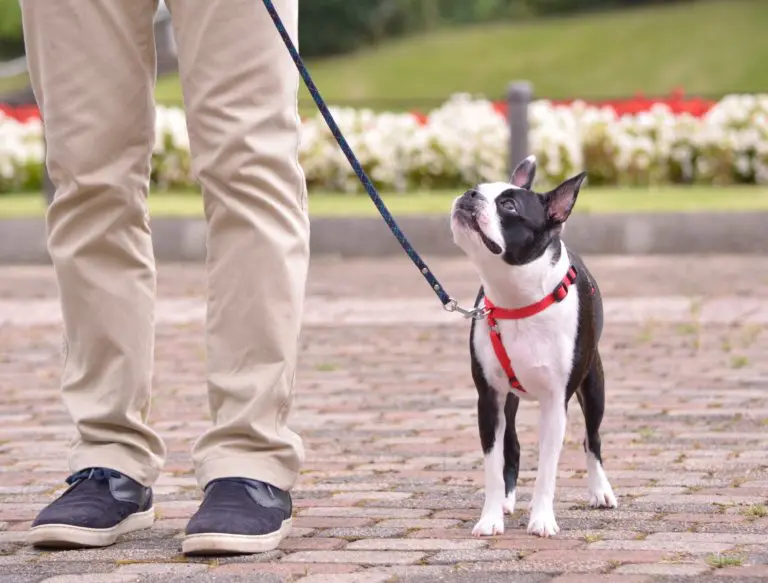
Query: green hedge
(329, 27)
(11, 37)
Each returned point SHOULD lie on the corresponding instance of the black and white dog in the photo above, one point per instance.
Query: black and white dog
(538, 339)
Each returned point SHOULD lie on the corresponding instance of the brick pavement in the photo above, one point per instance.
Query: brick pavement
(392, 483)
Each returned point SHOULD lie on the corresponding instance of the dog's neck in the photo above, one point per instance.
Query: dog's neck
(515, 286)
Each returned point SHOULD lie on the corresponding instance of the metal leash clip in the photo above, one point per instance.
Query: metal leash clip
(474, 313)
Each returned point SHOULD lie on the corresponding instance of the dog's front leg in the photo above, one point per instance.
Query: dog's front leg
(551, 436)
(492, 424)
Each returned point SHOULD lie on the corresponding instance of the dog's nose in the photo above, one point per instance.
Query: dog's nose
(472, 193)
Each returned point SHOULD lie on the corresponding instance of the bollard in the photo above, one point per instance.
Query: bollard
(519, 95)
(165, 42)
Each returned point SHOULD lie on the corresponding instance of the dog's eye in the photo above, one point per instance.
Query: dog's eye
(509, 205)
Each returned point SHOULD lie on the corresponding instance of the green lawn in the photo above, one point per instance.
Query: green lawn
(595, 200)
(708, 47)
(13, 84)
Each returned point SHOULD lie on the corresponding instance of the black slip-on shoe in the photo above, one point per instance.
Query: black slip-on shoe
(239, 516)
(99, 505)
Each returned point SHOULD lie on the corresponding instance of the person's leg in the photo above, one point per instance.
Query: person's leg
(92, 66)
(240, 89)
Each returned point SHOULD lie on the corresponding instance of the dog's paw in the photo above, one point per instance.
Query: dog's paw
(600, 491)
(489, 525)
(602, 496)
(509, 503)
(543, 524)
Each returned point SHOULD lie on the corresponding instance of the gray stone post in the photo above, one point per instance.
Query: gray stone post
(519, 95)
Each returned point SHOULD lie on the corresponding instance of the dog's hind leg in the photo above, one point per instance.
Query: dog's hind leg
(591, 397)
(511, 453)
(491, 422)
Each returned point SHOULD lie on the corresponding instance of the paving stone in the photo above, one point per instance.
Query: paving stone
(363, 577)
(362, 557)
(715, 537)
(393, 477)
(411, 573)
(249, 559)
(105, 577)
(12, 536)
(614, 557)
(358, 512)
(601, 578)
(418, 523)
(330, 522)
(162, 569)
(671, 546)
(460, 576)
(746, 571)
(311, 544)
(282, 569)
(362, 532)
(416, 544)
(687, 569)
(472, 556)
(31, 571)
(213, 577)
(538, 544)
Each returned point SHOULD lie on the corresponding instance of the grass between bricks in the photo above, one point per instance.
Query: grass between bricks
(592, 200)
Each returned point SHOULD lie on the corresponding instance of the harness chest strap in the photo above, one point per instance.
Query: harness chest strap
(495, 313)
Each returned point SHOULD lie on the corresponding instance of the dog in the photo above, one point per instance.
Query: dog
(540, 317)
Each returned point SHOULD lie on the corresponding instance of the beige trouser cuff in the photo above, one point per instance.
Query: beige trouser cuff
(254, 467)
(115, 457)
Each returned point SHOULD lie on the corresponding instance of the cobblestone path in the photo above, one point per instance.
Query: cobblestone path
(392, 483)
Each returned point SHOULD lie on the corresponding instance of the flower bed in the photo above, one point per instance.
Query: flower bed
(634, 142)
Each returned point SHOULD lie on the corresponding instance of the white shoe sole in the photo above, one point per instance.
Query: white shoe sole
(67, 536)
(240, 544)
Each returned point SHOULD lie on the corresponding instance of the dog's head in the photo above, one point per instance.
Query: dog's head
(509, 221)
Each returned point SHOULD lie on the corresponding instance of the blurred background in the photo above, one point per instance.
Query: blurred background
(660, 101)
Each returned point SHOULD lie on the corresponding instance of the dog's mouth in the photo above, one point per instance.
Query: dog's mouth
(468, 218)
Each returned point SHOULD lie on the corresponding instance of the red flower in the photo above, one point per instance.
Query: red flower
(22, 113)
(676, 102)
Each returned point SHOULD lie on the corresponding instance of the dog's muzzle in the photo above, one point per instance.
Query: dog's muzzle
(466, 208)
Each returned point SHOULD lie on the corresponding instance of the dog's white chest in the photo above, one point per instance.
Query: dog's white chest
(540, 348)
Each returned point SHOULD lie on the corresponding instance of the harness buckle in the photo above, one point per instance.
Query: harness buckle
(561, 291)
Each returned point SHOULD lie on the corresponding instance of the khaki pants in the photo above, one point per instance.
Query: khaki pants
(93, 68)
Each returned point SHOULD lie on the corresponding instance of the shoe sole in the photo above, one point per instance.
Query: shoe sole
(67, 536)
(238, 544)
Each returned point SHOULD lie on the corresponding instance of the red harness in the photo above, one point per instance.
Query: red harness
(495, 313)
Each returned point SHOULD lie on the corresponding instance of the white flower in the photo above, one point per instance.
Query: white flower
(466, 141)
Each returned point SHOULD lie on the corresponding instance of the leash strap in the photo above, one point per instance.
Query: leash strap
(448, 303)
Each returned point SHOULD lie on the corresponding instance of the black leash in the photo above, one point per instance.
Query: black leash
(449, 303)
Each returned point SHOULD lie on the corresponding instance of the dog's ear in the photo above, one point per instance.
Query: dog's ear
(560, 201)
(523, 175)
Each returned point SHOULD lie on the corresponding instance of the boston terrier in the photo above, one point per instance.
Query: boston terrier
(535, 336)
